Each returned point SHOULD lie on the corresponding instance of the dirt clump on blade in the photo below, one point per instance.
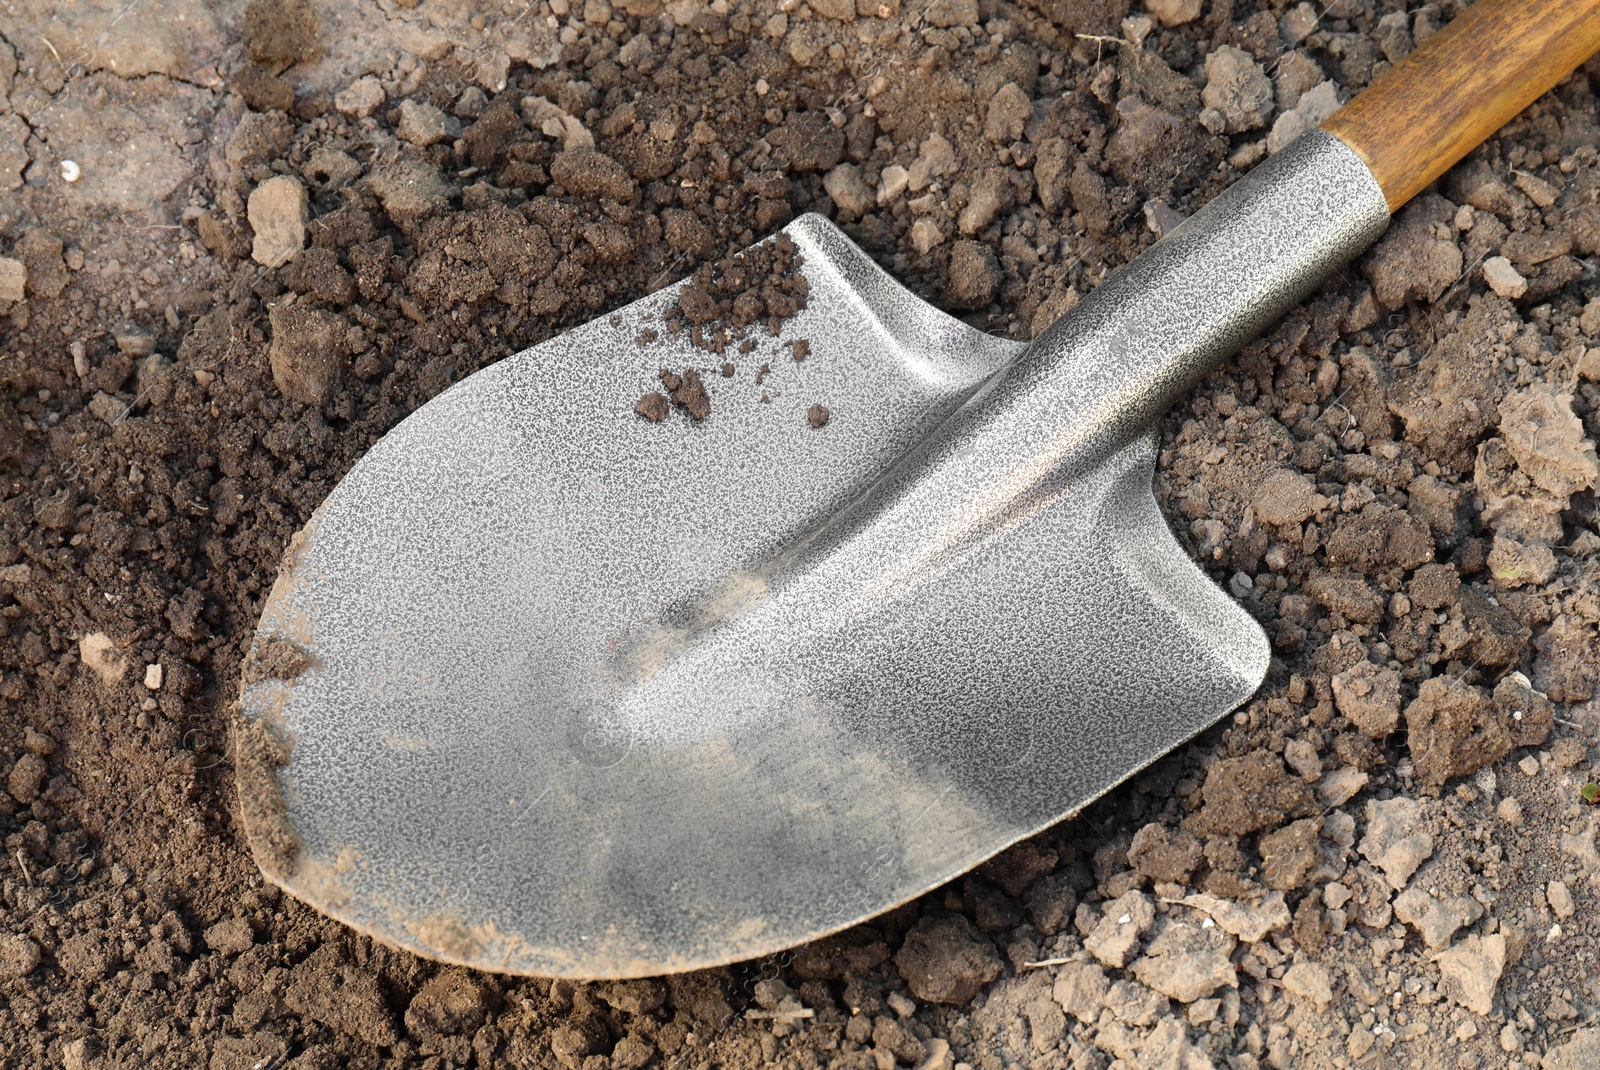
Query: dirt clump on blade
(761, 286)
(688, 392)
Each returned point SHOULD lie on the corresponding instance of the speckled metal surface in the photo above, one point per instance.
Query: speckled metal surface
(597, 698)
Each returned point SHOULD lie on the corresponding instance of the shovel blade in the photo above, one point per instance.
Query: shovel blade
(548, 689)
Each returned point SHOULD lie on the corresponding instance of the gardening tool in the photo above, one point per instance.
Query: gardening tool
(548, 687)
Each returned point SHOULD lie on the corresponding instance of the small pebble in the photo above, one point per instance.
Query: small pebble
(13, 279)
(1529, 766)
(153, 676)
(1559, 898)
(1538, 190)
(1504, 279)
(1510, 811)
(422, 124)
(818, 415)
(278, 210)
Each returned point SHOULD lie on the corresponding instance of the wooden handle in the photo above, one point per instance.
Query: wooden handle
(1461, 85)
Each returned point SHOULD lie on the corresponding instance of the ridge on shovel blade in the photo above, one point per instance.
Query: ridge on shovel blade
(545, 688)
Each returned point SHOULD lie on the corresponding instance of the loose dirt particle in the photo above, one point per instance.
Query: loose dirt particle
(763, 284)
(1254, 792)
(946, 960)
(1369, 696)
(307, 353)
(688, 392)
(653, 407)
(1397, 839)
(817, 415)
(974, 275)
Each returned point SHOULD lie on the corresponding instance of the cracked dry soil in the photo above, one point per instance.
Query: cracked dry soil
(292, 222)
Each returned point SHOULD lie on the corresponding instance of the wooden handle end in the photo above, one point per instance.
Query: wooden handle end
(1461, 85)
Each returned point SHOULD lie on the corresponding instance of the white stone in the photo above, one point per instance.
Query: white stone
(153, 676)
(901, 1004)
(1504, 279)
(422, 124)
(1174, 12)
(278, 210)
(892, 182)
(13, 279)
(1397, 839)
(925, 236)
(1470, 971)
(361, 98)
(99, 652)
(848, 189)
(1309, 981)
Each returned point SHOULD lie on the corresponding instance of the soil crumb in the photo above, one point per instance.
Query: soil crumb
(688, 392)
(818, 415)
(276, 658)
(653, 407)
(259, 752)
(723, 299)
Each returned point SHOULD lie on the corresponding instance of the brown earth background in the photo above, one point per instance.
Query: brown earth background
(240, 242)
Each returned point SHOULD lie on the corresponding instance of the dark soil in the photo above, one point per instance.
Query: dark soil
(1383, 859)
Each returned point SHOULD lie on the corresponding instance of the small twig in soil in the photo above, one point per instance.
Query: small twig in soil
(781, 1015)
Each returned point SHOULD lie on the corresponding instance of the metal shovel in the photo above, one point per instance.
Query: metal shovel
(548, 688)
